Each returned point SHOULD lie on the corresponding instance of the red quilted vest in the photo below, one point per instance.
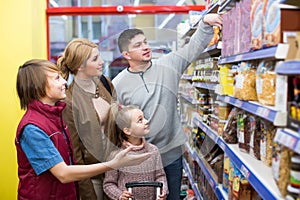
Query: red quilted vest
(45, 186)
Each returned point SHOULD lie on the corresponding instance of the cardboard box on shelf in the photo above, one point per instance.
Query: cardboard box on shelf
(294, 47)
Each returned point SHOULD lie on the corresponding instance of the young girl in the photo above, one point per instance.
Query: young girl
(130, 119)
(46, 167)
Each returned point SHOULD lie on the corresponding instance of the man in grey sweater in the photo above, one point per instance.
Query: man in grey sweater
(153, 86)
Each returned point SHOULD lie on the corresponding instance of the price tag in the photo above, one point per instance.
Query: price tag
(278, 135)
(297, 148)
(222, 146)
(263, 112)
(204, 128)
(227, 99)
(238, 103)
(245, 171)
(211, 183)
(238, 57)
(212, 136)
(292, 142)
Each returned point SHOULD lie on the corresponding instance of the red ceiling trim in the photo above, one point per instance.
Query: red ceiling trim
(122, 10)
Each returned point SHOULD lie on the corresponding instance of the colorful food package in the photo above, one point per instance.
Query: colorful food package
(227, 79)
(266, 141)
(271, 25)
(243, 136)
(253, 130)
(245, 29)
(256, 21)
(230, 130)
(266, 83)
(226, 168)
(281, 161)
(245, 85)
(241, 188)
(216, 37)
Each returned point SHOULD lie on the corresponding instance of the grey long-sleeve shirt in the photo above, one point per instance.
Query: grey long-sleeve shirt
(155, 92)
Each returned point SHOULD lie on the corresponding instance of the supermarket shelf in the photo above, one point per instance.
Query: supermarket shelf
(190, 32)
(267, 112)
(190, 177)
(288, 67)
(204, 85)
(213, 8)
(189, 99)
(226, 6)
(187, 77)
(291, 2)
(212, 51)
(258, 174)
(277, 52)
(221, 195)
(288, 138)
(212, 182)
(209, 132)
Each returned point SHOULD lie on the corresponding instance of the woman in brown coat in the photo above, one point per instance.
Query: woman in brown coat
(88, 102)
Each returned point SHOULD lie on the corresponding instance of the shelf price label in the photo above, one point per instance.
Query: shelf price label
(263, 112)
(227, 99)
(297, 147)
(211, 182)
(238, 57)
(222, 145)
(245, 171)
(212, 136)
(238, 103)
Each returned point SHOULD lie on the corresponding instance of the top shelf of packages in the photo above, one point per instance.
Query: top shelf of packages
(277, 52)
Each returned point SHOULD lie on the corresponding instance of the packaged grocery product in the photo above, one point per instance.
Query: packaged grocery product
(227, 79)
(245, 85)
(277, 22)
(295, 171)
(226, 169)
(266, 83)
(243, 136)
(292, 193)
(281, 161)
(230, 130)
(253, 130)
(240, 186)
(224, 110)
(266, 141)
(216, 37)
(256, 22)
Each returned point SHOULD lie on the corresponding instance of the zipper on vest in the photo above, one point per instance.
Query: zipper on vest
(142, 76)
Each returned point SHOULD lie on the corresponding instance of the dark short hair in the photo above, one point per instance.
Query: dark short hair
(126, 36)
(32, 80)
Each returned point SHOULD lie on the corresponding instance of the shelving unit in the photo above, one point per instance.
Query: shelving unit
(288, 138)
(259, 175)
(288, 67)
(220, 193)
(267, 112)
(190, 177)
(277, 52)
